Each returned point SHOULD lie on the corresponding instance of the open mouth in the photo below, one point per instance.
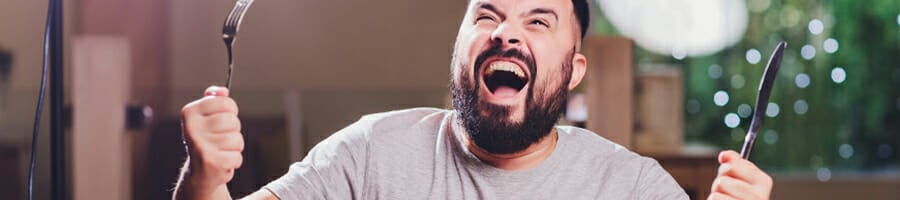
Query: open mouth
(504, 78)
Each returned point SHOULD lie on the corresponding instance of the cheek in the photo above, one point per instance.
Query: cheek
(550, 73)
(476, 42)
(470, 43)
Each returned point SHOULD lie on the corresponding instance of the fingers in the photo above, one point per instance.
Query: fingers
(728, 155)
(733, 188)
(230, 160)
(229, 142)
(216, 168)
(222, 123)
(734, 166)
(740, 179)
(212, 133)
(719, 196)
(216, 91)
(215, 158)
(210, 105)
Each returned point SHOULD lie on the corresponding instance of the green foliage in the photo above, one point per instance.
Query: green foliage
(859, 117)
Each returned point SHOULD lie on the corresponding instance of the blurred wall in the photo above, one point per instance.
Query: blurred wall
(316, 45)
(363, 52)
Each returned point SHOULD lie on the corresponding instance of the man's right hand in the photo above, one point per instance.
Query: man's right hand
(212, 133)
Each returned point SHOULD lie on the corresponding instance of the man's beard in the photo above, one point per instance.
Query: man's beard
(495, 133)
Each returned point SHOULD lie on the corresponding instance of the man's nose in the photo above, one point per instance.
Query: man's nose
(507, 35)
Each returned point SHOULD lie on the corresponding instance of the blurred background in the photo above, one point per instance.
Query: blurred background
(672, 79)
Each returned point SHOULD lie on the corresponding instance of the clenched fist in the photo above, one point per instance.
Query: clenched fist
(212, 133)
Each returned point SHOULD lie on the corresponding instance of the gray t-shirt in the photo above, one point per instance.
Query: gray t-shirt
(418, 154)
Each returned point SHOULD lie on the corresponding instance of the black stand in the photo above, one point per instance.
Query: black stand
(57, 139)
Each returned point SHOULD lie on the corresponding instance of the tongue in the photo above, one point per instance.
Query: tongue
(504, 91)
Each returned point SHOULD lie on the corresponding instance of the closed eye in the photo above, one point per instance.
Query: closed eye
(484, 17)
(539, 22)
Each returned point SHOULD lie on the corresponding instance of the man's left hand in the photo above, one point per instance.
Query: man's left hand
(739, 179)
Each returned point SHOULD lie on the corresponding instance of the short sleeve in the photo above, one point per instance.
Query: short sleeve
(333, 169)
(656, 183)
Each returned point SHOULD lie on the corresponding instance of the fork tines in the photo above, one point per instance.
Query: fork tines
(233, 21)
(229, 31)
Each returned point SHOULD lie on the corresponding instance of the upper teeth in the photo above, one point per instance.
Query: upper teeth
(505, 66)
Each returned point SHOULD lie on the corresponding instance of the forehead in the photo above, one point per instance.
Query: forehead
(563, 7)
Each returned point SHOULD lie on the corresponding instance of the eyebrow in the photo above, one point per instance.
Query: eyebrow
(538, 11)
(489, 7)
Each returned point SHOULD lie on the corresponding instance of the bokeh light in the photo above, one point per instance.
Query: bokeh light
(679, 53)
(720, 98)
(770, 136)
(816, 26)
(801, 107)
(823, 174)
(753, 56)
(714, 71)
(790, 16)
(758, 6)
(668, 28)
(846, 151)
(838, 75)
(801, 80)
(808, 52)
(732, 120)
(744, 110)
(772, 110)
(830, 45)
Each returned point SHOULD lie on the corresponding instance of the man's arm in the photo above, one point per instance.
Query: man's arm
(214, 144)
(263, 194)
(188, 187)
(221, 192)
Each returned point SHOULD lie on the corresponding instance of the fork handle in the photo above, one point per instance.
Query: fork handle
(228, 42)
(748, 145)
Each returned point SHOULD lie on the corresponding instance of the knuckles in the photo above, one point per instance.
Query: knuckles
(215, 105)
(722, 183)
(209, 105)
(223, 123)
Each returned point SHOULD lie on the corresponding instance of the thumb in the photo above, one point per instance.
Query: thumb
(728, 156)
(216, 91)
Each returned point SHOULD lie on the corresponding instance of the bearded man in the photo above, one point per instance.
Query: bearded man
(513, 65)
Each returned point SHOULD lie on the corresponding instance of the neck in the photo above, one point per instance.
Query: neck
(526, 159)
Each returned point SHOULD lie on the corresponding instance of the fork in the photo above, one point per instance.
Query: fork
(230, 29)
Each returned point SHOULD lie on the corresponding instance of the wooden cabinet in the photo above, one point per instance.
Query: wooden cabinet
(609, 88)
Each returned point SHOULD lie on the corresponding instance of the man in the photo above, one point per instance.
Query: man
(513, 65)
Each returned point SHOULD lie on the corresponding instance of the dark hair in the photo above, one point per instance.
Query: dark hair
(582, 12)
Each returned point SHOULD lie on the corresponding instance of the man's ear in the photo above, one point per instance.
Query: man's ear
(579, 66)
